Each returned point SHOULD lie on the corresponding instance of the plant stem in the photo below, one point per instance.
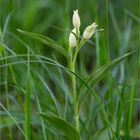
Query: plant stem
(3, 53)
(27, 102)
(7, 98)
(73, 80)
(72, 63)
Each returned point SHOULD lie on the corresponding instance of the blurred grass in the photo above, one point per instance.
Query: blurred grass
(50, 87)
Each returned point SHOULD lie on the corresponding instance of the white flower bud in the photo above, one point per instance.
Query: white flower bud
(72, 38)
(89, 31)
(76, 19)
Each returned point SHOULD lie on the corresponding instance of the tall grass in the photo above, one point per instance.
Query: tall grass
(51, 91)
(27, 101)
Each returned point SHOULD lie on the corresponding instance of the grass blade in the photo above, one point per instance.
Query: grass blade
(95, 77)
(13, 119)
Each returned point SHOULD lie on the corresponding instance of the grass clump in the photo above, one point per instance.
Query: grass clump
(74, 83)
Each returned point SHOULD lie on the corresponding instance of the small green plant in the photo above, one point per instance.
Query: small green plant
(76, 42)
(53, 95)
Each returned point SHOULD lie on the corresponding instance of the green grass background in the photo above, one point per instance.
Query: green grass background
(49, 86)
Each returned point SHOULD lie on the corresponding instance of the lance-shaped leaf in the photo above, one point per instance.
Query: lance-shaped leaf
(62, 125)
(95, 77)
(46, 40)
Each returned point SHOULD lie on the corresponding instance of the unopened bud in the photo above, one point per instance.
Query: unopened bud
(76, 19)
(72, 37)
(89, 31)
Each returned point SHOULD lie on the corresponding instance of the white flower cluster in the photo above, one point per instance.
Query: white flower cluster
(88, 32)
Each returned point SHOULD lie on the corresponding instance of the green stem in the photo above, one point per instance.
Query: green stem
(27, 103)
(73, 81)
(3, 53)
(7, 98)
(72, 63)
